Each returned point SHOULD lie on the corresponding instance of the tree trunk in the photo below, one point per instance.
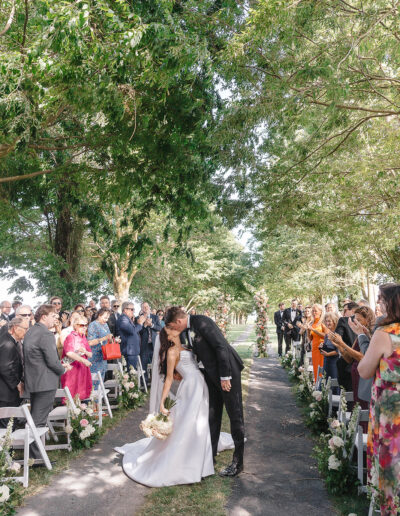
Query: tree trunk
(122, 281)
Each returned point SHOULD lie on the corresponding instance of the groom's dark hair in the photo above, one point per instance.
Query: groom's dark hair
(173, 313)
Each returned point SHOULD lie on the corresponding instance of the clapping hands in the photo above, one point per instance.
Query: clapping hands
(358, 328)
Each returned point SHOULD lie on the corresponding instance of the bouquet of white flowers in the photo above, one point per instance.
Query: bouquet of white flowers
(158, 425)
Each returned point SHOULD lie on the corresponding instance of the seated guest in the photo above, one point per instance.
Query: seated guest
(316, 337)
(129, 331)
(382, 362)
(328, 348)
(77, 349)
(11, 368)
(42, 367)
(98, 335)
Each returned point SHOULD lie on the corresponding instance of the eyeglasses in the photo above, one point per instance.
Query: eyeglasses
(129, 308)
(56, 303)
(115, 306)
(25, 315)
(80, 310)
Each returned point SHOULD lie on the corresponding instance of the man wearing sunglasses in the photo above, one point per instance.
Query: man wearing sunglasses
(129, 330)
(11, 368)
(114, 316)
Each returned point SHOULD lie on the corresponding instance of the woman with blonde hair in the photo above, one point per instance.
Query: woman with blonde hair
(328, 349)
(316, 337)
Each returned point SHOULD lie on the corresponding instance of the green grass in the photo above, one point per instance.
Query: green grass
(210, 495)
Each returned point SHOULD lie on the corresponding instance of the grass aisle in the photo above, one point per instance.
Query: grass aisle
(209, 496)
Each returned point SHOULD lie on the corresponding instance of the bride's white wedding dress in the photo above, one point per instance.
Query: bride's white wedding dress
(186, 455)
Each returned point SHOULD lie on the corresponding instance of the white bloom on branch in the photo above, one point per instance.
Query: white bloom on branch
(333, 462)
(4, 493)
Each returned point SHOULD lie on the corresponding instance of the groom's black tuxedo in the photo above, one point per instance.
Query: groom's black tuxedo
(220, 361)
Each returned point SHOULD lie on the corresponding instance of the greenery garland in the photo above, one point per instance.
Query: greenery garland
(261, 301)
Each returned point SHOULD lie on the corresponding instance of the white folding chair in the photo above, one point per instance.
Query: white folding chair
(333, 399)
(60, 417)
(140, 375)
(344, 417)
(113, 385)
(297, 349)
(360, 442)
(310, 368)
(22, 438)
(101, 394)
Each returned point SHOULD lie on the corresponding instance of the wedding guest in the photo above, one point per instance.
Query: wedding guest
(25, 311)
(382, 361)
(105, 302)
(378, 310)
(316, 339)
(112, 321)
(88, 314)
(331, 307)
(346, 333)
(363, 302)
(304, 325)
(98, 335)
(92, 304)
(77, 349)
(42, 367)
(5, 310)
(148, 333)
(160, 315)
(129, 331)
(70, 328)
(193, 311)
(11, 366)
(80, 308)
(64, 319)
(280, 326)
(290, 317)
(15, 304)
(328, 349)
(56, 302)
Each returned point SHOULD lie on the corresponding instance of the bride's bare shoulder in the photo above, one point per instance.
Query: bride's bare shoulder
(173, 351)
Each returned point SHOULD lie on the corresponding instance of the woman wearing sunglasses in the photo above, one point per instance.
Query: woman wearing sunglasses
(77, 350)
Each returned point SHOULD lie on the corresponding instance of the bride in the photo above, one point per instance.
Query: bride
(186, 455)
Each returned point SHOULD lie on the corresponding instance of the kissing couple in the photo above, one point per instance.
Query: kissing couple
(210, 377)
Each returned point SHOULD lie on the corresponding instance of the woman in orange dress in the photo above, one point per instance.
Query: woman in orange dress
(316, 340)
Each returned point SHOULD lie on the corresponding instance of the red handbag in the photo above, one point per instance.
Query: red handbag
(111, 350)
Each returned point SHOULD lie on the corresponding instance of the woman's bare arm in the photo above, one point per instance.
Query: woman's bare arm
(172, 356)
(379, 346)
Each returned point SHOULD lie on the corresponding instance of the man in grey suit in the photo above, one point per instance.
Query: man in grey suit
(42, 367)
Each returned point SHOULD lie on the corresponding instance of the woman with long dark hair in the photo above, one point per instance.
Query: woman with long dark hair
(382, 360)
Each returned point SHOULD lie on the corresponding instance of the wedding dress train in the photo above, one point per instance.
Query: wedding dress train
(185, 457)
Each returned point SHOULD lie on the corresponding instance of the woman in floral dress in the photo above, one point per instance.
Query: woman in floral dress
(383, 448)
(98, 335)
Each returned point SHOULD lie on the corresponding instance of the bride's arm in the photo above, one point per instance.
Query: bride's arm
(171, 362)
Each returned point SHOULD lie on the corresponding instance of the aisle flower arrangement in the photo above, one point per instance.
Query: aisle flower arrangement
(83, 428)
(10, 490)
(261, 301)
(130, 395)
(222, 313)
(317, 413)
(333, 455)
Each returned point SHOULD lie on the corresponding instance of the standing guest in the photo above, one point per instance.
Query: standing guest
(105, 302)
(382, 361)
(56, 301)
(98, 335)
(15, 304)
(88, 314)
(154, 311)
(42, 367)
(64, 319)
(280, 326)
(316, 338)
(129, 331)
(304, 326)
(11, 367)
(76, 348)
(5, 310)
(80, 308)
(348, 336)
(331, 308)
(160, 315)
(148, 334)
(363, 302)
(328, 349)
(25, 311)
(300, 307)
(193, 311)
(70, 328)
(291, 316)
(378, 310)
(112, 321)
(92, 304)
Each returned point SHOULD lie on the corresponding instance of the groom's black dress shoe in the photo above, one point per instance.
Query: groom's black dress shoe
(232, 470)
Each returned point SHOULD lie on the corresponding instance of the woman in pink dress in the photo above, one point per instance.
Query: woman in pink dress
(77, 349)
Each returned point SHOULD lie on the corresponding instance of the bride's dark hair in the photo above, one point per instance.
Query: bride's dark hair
(165, 344)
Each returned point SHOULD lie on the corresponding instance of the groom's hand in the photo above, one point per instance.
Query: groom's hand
(226, 385)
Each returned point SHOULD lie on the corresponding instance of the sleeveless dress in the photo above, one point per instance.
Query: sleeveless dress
(186, 455)
(316, 341)
(383, 446)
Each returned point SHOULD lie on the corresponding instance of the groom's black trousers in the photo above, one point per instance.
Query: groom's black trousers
(234, 407)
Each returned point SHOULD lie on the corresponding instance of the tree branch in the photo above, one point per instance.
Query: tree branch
(10, 20)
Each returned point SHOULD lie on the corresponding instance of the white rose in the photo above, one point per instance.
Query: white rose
(77, 411)
(131, 385)
(333, 463)
(69, 429)
(135, 395)
(317, 395)
(83, 406)
(335, 423)
(337, 441)
(4, 493)
(15, 467)
(89, 412)
(301, 388)
(126, 377)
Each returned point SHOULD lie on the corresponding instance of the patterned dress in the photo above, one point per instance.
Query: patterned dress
(97, 331)
(383, 448)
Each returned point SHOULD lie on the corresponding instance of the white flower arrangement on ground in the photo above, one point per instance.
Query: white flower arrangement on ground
(83, 427)
(317, 418)
(10, 490)
(158, 425)
(130, 394)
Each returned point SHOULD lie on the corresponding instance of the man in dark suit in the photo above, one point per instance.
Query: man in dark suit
(291, 316)
(5, 310)
(280, 326)
(42, 367)
(114, 316)
(222, 368)
(148, 334)
(129, 331)
(11, 369)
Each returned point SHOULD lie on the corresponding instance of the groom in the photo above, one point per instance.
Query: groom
(222, 368)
